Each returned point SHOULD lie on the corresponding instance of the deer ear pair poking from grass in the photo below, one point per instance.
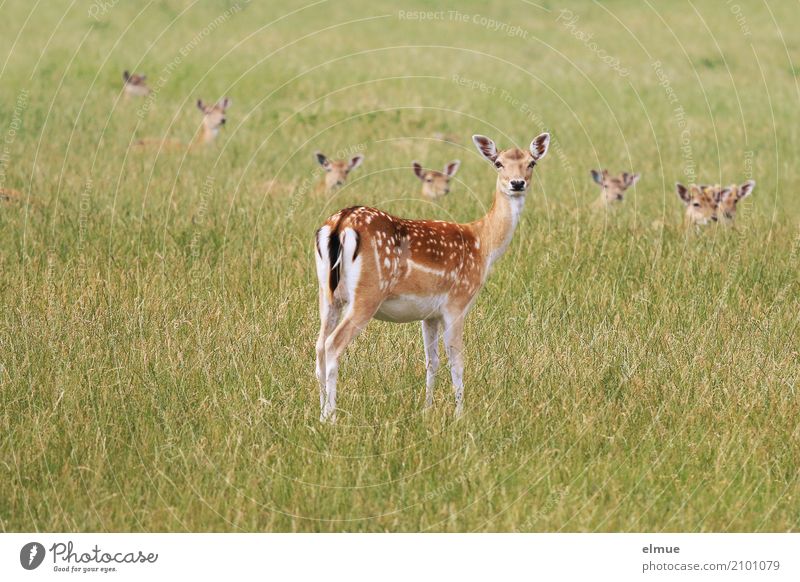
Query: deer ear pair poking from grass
(436, 184)
(729, 199)
(135, 85)
(374, 265)
(705, 204)
(612, 188)
(336, 171)
(214, 117)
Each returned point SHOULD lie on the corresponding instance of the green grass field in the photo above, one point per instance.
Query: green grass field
(159, 308)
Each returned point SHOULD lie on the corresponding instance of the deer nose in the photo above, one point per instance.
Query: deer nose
(222, 122)
(517, 185)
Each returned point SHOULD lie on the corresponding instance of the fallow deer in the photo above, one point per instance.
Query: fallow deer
(436, 184)
(701, 202)
(729, 199)
(10, 196)
(612, 188)
(135, 85)
(371, 264)
(336, 171)
(213, 120)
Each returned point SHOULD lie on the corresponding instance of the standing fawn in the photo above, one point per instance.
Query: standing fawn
(436, 184)
(612, 188)
(336, 171)
(135, 85)
(371, 264)
(701, 202)
(729, 199)
(213, 120)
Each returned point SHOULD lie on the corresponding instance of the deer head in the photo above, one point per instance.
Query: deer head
(701, 202)
(336, 171)
(213, 117)
(729, 199)
(436, 184)
(514, 166)
(135, 85)
(613, 187)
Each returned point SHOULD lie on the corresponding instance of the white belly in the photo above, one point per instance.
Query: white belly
(405, 308)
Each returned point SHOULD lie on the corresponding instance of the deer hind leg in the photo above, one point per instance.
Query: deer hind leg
(329, 315)
(430, 337)
(454, 344)
(363, 299)
(356, 319)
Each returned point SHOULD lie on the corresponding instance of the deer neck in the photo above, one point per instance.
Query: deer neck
(204, 136)
(496, 229)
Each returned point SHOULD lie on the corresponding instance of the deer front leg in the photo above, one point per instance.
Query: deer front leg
(430, 337)
(454, 344)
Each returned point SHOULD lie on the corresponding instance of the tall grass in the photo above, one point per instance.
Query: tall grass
(159, 307)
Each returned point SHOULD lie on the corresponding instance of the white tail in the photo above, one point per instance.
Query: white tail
(371, 264)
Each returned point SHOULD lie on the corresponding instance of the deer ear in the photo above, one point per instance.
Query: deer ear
(417, 169)
(746, 189)
(597, 177)
(721, 194)
(683, 192)
(200, 105)
(322, 160)
(631, 179)
(485, 146)
(451, 168)
(355, 162)
(126, 75)
(224, 103)
(539, 146)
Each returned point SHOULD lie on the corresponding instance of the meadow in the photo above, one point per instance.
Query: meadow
(159, 311)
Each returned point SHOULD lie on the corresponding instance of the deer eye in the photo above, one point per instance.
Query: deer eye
(697, 204)
(429, 179)
(532, 164)
(498, 165)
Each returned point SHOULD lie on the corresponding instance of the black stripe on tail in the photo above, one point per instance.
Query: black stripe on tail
(335, 249)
